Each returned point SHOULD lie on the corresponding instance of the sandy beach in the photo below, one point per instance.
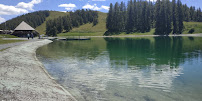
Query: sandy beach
(23, 77)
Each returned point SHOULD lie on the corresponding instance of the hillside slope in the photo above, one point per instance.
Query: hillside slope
(34, 19)
(53, 14)
(88, 29)
(98, 30)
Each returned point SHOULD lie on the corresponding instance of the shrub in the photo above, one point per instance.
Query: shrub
(191, 30)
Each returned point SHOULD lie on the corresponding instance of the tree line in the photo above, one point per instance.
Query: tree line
(71, 20)
(141, 15)
(34, 19)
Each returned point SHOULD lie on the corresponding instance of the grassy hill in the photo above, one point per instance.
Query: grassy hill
(98, 30)
(53, 14)
(89, 29)
(83, 30)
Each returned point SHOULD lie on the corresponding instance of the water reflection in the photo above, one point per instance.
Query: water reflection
(157, 62)
(90, 68)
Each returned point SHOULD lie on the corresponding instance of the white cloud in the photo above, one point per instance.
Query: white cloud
(88, 6)
(25, 5)
(95, 7)
(2, 20)
(11, 10)
(20, 8)
(28, 5)
(105, 7)
(69, 6)
(35, 1)
(69, 9)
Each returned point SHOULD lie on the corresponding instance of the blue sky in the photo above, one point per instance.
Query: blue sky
(12, 8)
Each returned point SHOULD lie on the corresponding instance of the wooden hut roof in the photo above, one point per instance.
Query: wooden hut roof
(24, 26)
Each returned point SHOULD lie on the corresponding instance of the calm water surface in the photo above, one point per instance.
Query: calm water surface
(127, 69)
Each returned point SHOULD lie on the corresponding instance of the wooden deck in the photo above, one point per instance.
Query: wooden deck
(74, 38)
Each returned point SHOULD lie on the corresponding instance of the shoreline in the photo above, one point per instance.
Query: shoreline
(24, 77)
(189, 35)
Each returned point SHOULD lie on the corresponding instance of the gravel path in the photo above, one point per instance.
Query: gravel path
(5, 46)
(23, 77)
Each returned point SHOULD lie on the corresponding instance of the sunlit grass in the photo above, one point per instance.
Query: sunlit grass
(7, 36)
(151, 32)
(197, 26)
(9, 41)
(88, 29)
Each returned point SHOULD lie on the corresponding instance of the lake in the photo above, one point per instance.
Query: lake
(127, 69)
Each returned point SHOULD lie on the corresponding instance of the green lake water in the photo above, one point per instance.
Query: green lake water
(127, 69)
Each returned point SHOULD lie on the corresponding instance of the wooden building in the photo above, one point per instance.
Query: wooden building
(23, 29)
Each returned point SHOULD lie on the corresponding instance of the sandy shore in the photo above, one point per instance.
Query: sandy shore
(23, 77)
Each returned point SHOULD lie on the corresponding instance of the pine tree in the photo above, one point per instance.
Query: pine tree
(144, 17)
(152, 8)
(59, 25)
(148, 17)
(130, 22)
(140, 17)
(67, 23)
(122, 17)
(135, 16)
(174, 16)
(198, 15)
(54, 31)
(168, 17)
(95, 21)
(192, 13)
(48, 27)
(116, 18)
(186, 13)
(109, 22)
(158, 24)
(180, 17)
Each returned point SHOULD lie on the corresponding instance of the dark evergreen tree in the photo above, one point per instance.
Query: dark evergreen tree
(180, 17)
(130, 17)
(198, 15)
(95, 21)
(186, 13)
(67, 23)
(122, 18)
(174, 16)
(192, 13)
(168, 17)
(141, 15)
(158, 24)
(116, 18)
(54, 31)
(59, 25)
(109, 23)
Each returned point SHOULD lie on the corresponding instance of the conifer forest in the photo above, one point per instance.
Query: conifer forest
(71, 20)
(141, 16)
